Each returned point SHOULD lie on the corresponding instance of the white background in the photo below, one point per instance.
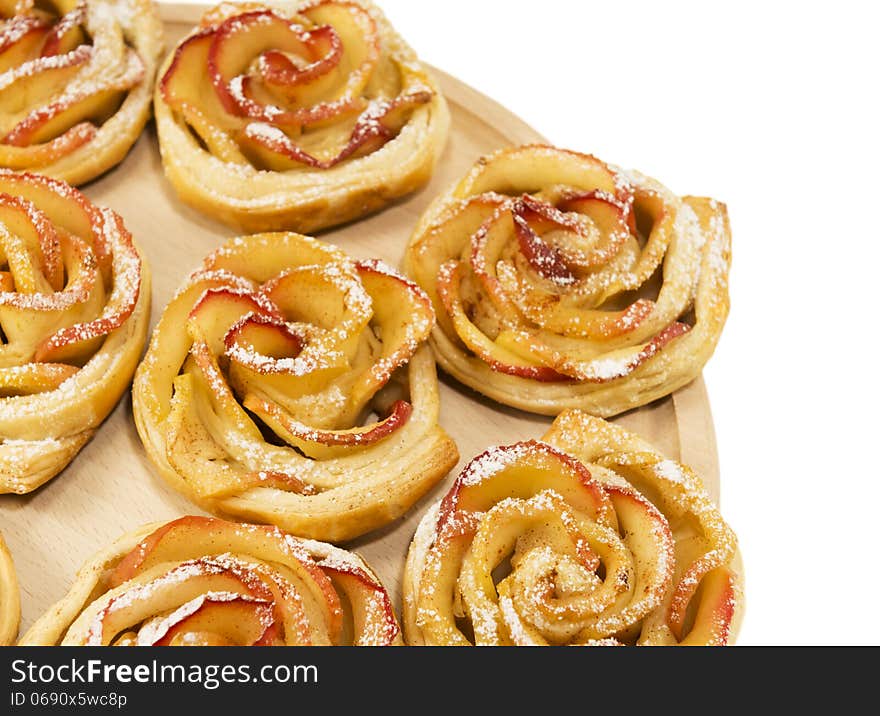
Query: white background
(772, 108)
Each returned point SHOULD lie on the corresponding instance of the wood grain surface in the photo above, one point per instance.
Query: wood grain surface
(111, 488)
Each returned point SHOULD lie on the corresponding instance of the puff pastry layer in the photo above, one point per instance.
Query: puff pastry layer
(289, 384)
(76, 82)
(562, 283)
(74, 312)
(297, 115)
(10, 605)
(200, 581)
(590, 537)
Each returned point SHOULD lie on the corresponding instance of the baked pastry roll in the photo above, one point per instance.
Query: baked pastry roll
(74, 312)
(590, 537)
(289, 384)
(200, 581)
(560, 282)
(297, 115)
(10, 606)
(76, 80)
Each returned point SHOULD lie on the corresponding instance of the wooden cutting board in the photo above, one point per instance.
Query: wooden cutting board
(111, 488)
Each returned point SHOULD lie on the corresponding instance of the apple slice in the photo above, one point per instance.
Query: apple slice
(606, 368)
(520, 171)
(185, 84)
(381, 122)
(182, 583)
(97, 103)
(267, 358)
(199, 537)
(259, 257)
(497, 357)
(34, 378)
(337, 62)
(648, 538)
(244, 621)
(70, 342)
(67, 208)
(241, 39)
(372, 611)
(30, 241)
(563, 315)
(311, 79)
(714, 612)
(35, 309)
(39, 155)
(327, 444)
(67, 33)
(220, 309)
(402, 320)
(330, 298)
(547, 261)
(40, 79)
(521, 471)
(575, 216)
(20, 39)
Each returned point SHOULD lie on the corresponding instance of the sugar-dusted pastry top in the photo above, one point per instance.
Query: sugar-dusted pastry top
(287, 383)
(297, 115)
(76, 80)
(560, 282)
(74, 313)
(199, 581)
(590, 537)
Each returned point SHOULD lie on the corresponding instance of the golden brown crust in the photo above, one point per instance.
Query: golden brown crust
(87, 71)
(607, 541)
(200, 581)
(288, 384)
(561, 283)
(303, 164)
(74, 309)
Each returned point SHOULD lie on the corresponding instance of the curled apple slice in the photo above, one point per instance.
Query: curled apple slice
(127, 277)
(218, 311)
(68, 33)
(499, 358)
(522, 471)
(20, 37)
(327, 444)
(96, 104)
(372, 611)
(380, 122)
(34, 378)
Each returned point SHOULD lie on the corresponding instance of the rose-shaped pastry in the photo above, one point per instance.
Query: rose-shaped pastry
(299, 116)
(288, 384)
(199, 581)
(76, 79)
(561, 283)
(589, 538)
(10, 606)
(74, 312)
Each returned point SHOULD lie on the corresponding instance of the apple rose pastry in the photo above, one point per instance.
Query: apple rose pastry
(76, 79)
(74, 311)
(10, 610)
(288, 384)
(299, 116)
(589, 538)
(200, 581)
(562, 283)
